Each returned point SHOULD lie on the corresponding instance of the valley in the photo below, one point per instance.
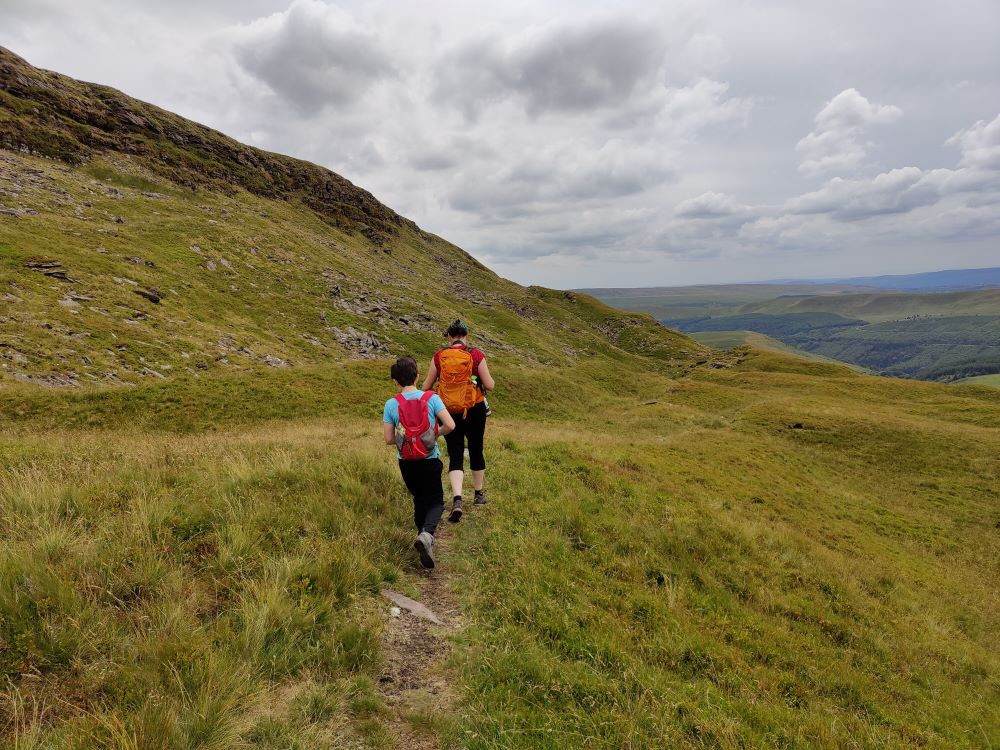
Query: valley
(930, 335)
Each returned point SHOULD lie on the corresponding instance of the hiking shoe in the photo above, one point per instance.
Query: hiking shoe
(456, 510)
(423, 545)
(480, 497)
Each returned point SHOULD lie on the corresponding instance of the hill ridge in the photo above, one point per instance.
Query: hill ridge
(72, 121)
(137, 244)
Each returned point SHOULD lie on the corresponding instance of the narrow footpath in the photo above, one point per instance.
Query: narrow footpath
(413, 682)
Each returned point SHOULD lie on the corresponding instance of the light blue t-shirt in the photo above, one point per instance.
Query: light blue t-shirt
(390, 415)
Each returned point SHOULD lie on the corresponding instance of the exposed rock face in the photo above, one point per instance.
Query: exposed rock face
(361, 344)
(55, 116)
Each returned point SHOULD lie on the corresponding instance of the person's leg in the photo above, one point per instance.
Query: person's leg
(430, 500)
(475, 429)
(419, 513)
(433, 494)
(455, 441)
(412, 479)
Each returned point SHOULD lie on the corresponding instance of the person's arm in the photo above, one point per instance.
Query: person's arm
(447, 423)
(485, 378)
(389, 431)
(432, 375)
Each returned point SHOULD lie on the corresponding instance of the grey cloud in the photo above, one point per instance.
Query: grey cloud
(835, 143)
(535, 185)
(312, 55)
(435, 160)
(709, 206)
(963, 223)
(561, 68)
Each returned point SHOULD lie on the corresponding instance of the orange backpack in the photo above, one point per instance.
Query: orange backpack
(455, 386)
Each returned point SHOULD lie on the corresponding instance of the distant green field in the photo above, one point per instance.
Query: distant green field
(878, 307)
(945, 348)
(873, 306)
(710, 299)
(731, 339)
(941, 336)
(993, 380)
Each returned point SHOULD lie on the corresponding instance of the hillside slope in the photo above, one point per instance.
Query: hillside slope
(155, 246)
(682, 549)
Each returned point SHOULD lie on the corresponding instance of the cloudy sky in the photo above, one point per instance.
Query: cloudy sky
(574, 143)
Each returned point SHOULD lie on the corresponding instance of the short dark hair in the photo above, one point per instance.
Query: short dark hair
(404, 371)
(458, 329)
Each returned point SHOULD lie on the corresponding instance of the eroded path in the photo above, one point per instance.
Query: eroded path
(413, 683)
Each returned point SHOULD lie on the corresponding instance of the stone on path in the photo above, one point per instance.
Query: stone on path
(410, 605)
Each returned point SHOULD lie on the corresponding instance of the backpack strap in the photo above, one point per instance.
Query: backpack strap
(428, 395)
(401, 399)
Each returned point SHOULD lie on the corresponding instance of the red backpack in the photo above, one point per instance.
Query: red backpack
(419, 435)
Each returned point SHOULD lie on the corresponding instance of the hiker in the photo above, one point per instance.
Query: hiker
(418, 413)
(463, 381)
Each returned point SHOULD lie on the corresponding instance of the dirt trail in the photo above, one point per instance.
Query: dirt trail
(413, 682)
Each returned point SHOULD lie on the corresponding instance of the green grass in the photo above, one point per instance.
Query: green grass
(878, 307)
(993, 380)
(873, 306)
(733, 339)
(697, 574)
(161, 589)
(688, 573)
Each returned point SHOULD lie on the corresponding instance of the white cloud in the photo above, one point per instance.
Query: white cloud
(979, 144)
(835, 143)
(893, 192)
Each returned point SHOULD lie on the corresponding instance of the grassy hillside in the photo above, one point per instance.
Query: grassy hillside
(774, 553)
(939, 348)
(684, 548)
(873, 306)
(931, 335)
(885, 306)
(733, 339)
(709, 299)
(993, 380)
(143, 262)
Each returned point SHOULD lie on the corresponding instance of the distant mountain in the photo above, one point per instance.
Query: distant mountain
(964, 278)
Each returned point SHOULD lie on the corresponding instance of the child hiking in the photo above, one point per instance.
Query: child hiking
(410, 422)
(463, 379)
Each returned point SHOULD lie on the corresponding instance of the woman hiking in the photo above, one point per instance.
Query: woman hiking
(463, 379)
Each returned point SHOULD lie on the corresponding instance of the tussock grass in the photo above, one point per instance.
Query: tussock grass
(154, 589)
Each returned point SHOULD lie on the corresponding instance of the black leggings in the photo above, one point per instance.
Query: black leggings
(423, 480)
(469, 428)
